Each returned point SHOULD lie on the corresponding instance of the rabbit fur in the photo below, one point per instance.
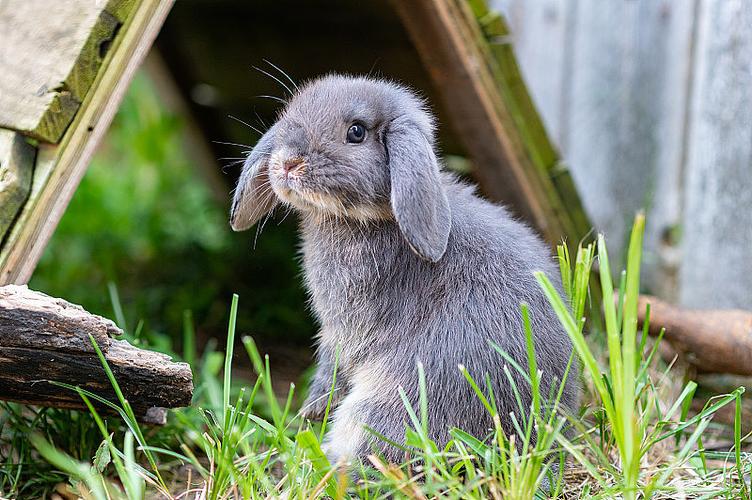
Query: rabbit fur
(404, 264)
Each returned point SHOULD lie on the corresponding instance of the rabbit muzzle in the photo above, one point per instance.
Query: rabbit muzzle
(293, 166)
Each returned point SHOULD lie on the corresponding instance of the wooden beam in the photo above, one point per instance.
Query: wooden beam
(45, 340)
(16, 166)
(60, 168)
(466, 49)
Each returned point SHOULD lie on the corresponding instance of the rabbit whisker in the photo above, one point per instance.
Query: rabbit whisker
(231, 164)
(288, 211)
(262, 190)
(260, 227)
(258, 117)
(274, 78)
(272, 97)
(233, 144)
(267, 61)
(246, 124)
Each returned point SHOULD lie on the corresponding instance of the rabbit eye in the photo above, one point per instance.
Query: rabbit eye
(356, 133)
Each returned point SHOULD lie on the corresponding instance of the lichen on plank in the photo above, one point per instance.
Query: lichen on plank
(49, 61)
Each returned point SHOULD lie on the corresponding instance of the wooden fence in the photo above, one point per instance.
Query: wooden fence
(650, 103)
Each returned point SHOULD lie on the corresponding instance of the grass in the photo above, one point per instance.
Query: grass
(634, 438)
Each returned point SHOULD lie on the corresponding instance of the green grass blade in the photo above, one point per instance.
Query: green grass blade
(227, 381)
(531, 361)
(738, 445)
(578, 340)
(189, 339)
(69, 465)
(332, 388)
(131, 419)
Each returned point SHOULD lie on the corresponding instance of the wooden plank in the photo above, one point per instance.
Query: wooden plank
(466, 49)
(50, 53)
(616, 102)
(541, 34)
(45, 340)
(60, 168)
(16, 166)
(21, 236)
(627, 106)
(716, 270)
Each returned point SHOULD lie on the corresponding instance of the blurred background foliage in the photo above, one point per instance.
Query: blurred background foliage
(144, 219)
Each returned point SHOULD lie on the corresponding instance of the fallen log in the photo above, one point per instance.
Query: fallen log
(45, 340)
(713, 341)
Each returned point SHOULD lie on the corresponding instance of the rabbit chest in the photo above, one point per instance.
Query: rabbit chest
(357, 278)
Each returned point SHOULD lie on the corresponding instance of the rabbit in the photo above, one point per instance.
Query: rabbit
(404, 264)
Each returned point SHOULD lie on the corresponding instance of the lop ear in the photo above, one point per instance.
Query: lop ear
(254, 197)
(418, 199)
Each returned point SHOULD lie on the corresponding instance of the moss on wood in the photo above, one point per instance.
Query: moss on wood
(16, 165)
(51, 53)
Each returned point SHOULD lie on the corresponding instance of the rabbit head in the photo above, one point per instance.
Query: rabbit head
(355, 148)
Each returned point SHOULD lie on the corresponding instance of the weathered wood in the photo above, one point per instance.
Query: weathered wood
(714, 341)
(468, 55)
(16, 166)
(50, 53)
(60, 168)
(716, 270)
(542, 31)
(654, 114)
(22, 233)
(626, 122)
(612, 80)
(37, 321)
(45, 340)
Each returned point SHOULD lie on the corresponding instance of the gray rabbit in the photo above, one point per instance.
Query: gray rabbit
(404, 264)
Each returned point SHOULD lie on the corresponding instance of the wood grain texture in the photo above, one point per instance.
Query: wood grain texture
(655, 115)
(466, 49)
(16, 167)
(714, 341)
(540, 32)
(612, 79)
(37, 321)
(717, 222)
(627, 92)
(50, 53)
(20, 237)
(60, 168)
(45, 340)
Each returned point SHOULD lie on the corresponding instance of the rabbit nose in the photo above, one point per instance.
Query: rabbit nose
(292, 165)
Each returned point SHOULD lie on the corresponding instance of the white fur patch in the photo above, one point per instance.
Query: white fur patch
(370, 384)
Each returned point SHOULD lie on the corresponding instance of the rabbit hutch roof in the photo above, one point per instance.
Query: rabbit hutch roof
(63, 75)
